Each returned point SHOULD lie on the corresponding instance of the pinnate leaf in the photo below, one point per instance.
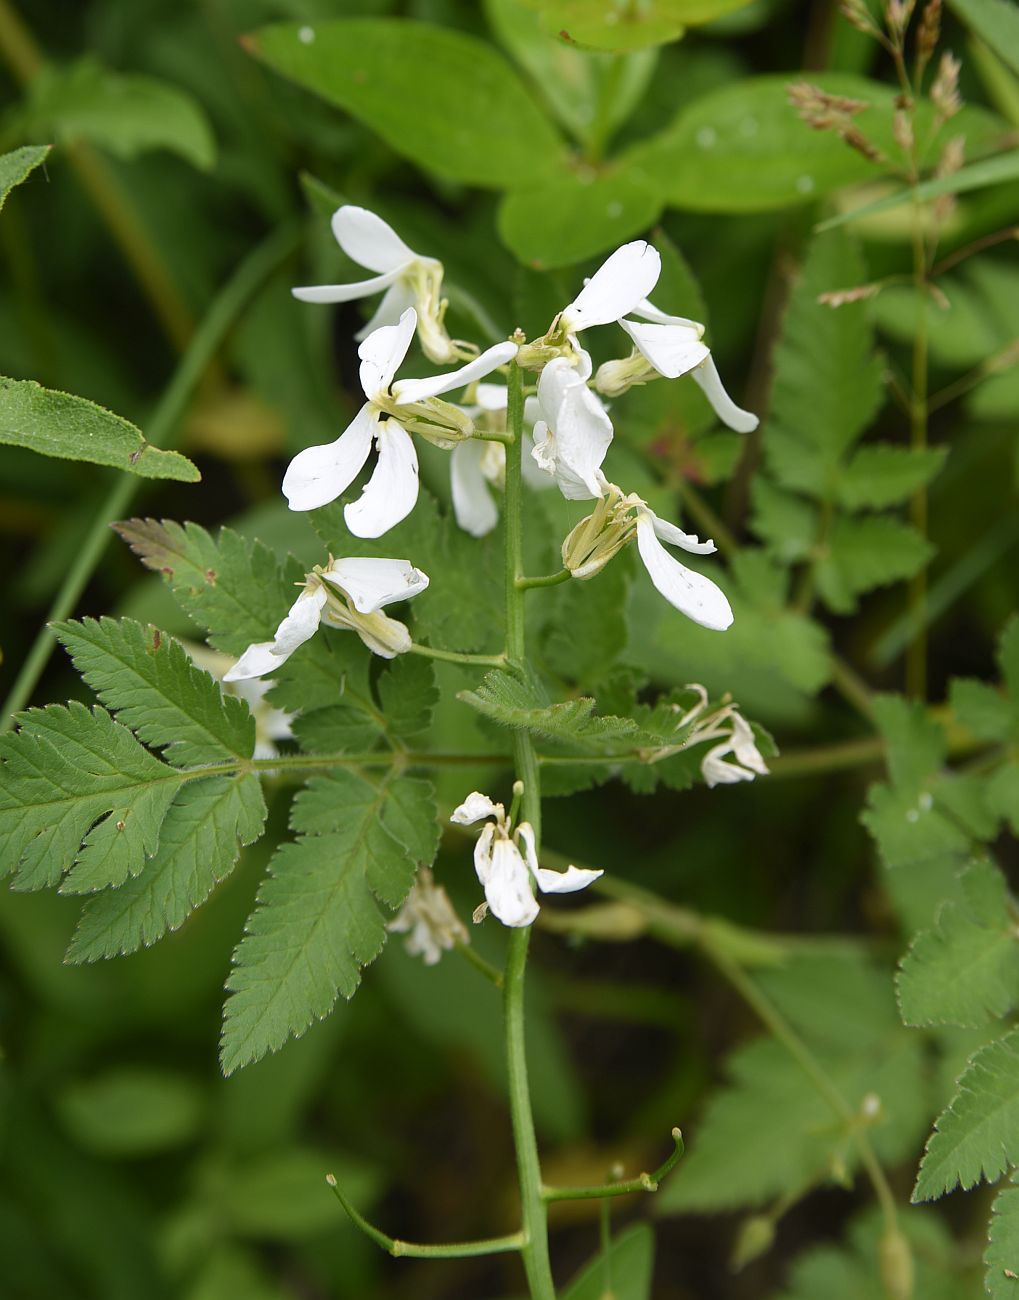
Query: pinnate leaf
(317, 918)
(885, 475)
(149, 681)
(977, 1137)
(73, 428)
(520, 702)
(1003, 1246)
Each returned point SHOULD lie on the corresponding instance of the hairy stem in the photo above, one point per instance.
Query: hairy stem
(159, 430)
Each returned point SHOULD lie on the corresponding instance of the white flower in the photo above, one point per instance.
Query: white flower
(504, 871)
(621, 282)
(320, 474)
(616, 519)
(740, 743)
(350, 593)
(671, 346)
(408, 279)
(271, 724)
(428, 919)
(477, 465)
(574, 432)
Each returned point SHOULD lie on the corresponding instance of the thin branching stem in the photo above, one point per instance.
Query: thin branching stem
(623, 1187)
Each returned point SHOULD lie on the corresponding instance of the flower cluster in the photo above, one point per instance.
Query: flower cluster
(570, 434)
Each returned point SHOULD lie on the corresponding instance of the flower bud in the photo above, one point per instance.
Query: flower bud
(589, 546)
(756, 1237)
(614, 377)
(945, 87)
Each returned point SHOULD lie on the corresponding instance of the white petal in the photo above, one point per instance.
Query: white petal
(744, 745)
(676, 537)
(473, 506)
(532, 410)
(474, 807)
(622, 281)
(717, 772)
(543, 451)
(345, 292)
(553, 882)
(508, 889)
(493, 397)
(725, 408)
(319, 475)
(581, 427)
(691, 593)
(395, 301)
(648, 311)
(483, 854)
(416, 390)
(383, 351)
(371, 584)
(392, 491)
(300, 624)
(672, 349)
(533, 476)
(255, 661)
(369, 240)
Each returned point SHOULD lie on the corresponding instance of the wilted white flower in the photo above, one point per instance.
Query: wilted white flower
(428, 920)
(504, 871)
(407, 279)
(350, 593)
(320, 474)
(671, 346)
(271, 724)
(617, 519)
(736, 735)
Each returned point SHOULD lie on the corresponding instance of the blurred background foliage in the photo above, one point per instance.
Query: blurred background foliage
(131, 1168)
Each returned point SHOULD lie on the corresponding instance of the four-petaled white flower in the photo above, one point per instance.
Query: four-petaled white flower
(574, 432)
(350, 593)
(320, 474)
(476, 465)
(673, 346)
(428, 920)
(505, 872)
(407, 279)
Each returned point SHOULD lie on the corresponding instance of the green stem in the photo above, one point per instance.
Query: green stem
(534, 1251)
(476, 960)
(459, 657)
(642, 1183)
(221, 315)
(548, 580)
(916, 654)
(448, 1250)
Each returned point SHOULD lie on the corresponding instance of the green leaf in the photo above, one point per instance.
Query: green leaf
(1003, 1246)
(981, 708)
(522, 704)
(586, 633)
(18, 165)
(620, 25)
(132, 1111)
(977, 1137)
(577, 215)
(868, 552)
(126, 114)
(743, 148)
(630, 1263)
(997, 23)
(152, 685)
(884, 475)
(916, 743)
(72, 428)
(409, 696)
(1003, 795)
(235, 589)
(1002, 169)
(199, 844)
(443, 99)
(62, 772)
(317, 918)
(965, 971)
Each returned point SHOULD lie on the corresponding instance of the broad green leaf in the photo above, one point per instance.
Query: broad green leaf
(997, 23)
(882, 475)
(965, 971)
(571, 81)
(623, 25)
(977, 1137)
(1003, 1246)
(235, 589)
(1003, 169)
(630, 1264)
(577, 214)
(154, 688)
(127, 114)
(62, 772)
(132, 1111)
(199, 843)
(317, 918)
(869, 551)
(17, 165)
(520, 703)
(445, 100)
(72, 428)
